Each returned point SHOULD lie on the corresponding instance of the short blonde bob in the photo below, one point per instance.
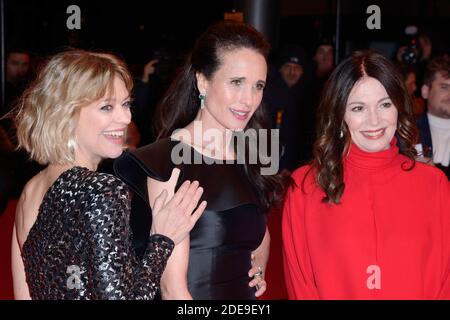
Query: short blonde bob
(49, 108)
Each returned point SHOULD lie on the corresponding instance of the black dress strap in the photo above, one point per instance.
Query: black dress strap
(152, 161)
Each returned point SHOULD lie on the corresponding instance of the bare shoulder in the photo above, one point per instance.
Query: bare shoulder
(28, 206)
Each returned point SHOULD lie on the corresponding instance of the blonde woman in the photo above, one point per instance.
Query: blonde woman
(71, 238)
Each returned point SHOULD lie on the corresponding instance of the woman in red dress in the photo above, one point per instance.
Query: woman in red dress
(364, 220)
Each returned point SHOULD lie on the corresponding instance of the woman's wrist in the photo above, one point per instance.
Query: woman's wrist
(161, 238)
(176, 294)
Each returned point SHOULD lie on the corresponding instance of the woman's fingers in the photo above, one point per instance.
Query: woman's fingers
(259, 283)
(258, 280)
(189, 195)
(261, 288)
(194, 201)
(179, 195)
(186, 223)
(178, 218)
(197, 213)
(255, 271)
(173, 181)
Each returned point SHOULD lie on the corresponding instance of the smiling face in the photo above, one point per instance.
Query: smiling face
(101, 127)
(370, 115)
(235, 90)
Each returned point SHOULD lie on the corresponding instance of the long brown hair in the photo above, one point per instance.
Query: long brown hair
(180, 104)
(330, 147)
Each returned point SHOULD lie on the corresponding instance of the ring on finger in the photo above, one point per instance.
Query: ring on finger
(259, 273)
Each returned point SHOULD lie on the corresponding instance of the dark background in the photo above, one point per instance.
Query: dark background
(134, 28)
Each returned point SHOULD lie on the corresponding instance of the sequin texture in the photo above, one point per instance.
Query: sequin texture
(80, 245)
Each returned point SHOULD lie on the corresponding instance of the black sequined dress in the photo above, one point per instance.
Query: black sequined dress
(80, 245)
(232, 226)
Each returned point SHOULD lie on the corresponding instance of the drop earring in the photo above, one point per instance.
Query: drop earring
(202, 101)
(71, 144)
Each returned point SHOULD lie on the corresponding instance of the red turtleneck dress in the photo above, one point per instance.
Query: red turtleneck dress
(388, 239)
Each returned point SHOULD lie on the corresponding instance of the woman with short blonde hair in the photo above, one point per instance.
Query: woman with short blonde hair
(71, 237)
(50, 106)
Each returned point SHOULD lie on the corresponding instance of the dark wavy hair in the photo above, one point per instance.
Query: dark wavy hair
(329, 147)
(180, 104)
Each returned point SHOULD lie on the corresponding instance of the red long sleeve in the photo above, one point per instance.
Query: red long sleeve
(297, 264)
(388, 239)
(445, 203)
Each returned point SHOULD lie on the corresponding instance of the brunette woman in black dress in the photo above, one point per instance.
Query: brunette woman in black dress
(215, 98)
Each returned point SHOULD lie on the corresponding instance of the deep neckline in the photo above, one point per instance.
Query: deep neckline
(46, 195)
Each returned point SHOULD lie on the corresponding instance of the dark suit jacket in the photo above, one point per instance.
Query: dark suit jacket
(426, 141)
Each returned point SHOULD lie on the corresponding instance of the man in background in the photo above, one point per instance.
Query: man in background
(434, 125)
(283, 97)
(17, 73)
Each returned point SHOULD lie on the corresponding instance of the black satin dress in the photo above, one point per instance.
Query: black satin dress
(232, 226)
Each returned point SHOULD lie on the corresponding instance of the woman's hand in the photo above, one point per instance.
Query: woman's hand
(259, 262)
(175, 219)
(257, 273)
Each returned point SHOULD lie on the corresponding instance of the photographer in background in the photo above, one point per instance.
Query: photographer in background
(410, 53)
(418, 49)
(149, 88)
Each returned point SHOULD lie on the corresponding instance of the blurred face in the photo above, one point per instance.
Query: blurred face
(235, 90)
(324, 57)
(370, 115)
(438, 96)
(291, 73)
(101, 127)
(17, 66)
(425, 45)
(410, 83)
